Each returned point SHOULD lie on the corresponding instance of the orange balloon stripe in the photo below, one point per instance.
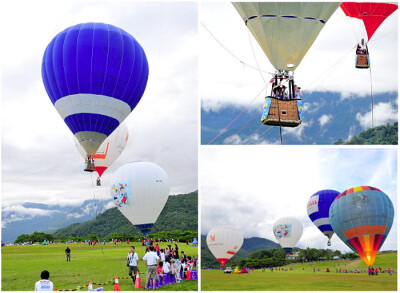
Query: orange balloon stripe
(363, 230)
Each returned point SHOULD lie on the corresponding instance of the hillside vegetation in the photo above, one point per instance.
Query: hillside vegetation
(179, 213)
(384, 134)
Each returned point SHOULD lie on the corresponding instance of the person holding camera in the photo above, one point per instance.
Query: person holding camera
(297, 92)
(131, 262)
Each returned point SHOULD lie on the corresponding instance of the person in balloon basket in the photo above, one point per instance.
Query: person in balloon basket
(44, 284)
(68, 253)
(151, 258)
(131, 262)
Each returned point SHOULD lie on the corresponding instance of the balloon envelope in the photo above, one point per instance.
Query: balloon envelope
(362, 217)
(287, 231)
(140, 191)
(318, 210)
(285, 30)
(372, 14)
(224, 242)
(94, 74)
(109, 150)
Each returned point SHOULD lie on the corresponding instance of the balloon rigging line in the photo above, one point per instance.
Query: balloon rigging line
(234, 56)
(322, 77)
(372, 98)
(383, 36)
(254, 134)
(95, 210)
(255, 58)
(244, 110)
(264, 132)
(244, 125)
(304, 135)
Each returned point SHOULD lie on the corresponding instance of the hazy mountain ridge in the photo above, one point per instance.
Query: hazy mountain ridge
(327, 117)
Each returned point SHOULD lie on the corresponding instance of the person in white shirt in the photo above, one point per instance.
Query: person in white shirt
(151, 259)
(131, 262)
(44, 284)
(162, 255)
(167, 267)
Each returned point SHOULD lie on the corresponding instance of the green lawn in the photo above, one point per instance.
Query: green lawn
(306, 280)
(21, 266)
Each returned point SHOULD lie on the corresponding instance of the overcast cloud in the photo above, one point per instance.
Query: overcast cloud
(252, 187)
(39, 160)
(328, 65)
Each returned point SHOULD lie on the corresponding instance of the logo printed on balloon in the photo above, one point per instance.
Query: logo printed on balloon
(283, 231)
(120, 193)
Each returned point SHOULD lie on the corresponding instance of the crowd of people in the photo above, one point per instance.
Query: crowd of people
(161, 262)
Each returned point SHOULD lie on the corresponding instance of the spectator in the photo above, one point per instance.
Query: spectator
(44, 284)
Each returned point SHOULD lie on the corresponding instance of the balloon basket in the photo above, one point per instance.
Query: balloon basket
(281, 112)
(362, 61)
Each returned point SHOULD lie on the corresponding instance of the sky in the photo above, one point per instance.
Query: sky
(251, 187)
(39, 160)
(228, 47)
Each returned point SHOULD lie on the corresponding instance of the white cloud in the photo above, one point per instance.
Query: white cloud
(18, 212)
(383, 113)
(324, 120)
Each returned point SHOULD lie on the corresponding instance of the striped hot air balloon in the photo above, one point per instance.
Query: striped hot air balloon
(318, 210)
(95, 74)
(362, 217)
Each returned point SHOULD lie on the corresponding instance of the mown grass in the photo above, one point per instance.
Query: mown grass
(21, 266)
(306, 280)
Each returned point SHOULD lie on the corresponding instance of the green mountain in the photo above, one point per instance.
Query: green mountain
(179, 213)
(384, 134)
(249, 245)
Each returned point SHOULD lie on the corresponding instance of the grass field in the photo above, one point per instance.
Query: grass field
(22, 265)
(306, 280)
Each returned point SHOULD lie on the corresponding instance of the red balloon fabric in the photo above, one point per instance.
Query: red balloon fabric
(372, 14)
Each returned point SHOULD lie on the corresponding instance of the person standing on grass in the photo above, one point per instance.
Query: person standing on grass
(151, 258)
(131, 262)
(44, 284)
(68, 253)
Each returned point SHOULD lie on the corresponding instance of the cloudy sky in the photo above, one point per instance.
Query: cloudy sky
(252, 187)
(39, 160)
(328, 65)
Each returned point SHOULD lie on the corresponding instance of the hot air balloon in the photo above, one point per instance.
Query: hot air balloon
(140, 191)
(318, 210)
(95, 74)
(224, 242)
(372, 15)
(362, 217)
(109, 150)
(285, 31)
(287, 231)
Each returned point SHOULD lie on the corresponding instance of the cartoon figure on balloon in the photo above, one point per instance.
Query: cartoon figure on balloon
(120, 195)
(282, 231)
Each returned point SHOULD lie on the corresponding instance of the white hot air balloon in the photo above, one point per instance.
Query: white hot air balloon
(109, 150)
(140, 191)
(224, 242)
(287, 231)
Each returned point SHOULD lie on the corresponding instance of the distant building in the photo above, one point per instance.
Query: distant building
(294, 255)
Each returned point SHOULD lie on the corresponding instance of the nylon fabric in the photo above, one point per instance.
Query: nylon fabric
(285, 30)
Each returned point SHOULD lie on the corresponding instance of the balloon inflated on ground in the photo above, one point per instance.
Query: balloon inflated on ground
(318, 210)
(95, 74)
(288, 232)
(140, 191)
(109, 150)
(362, 218)
(224, 242)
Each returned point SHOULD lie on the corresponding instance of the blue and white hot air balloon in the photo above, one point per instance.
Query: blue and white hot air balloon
(318, 210)
(95, 74)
